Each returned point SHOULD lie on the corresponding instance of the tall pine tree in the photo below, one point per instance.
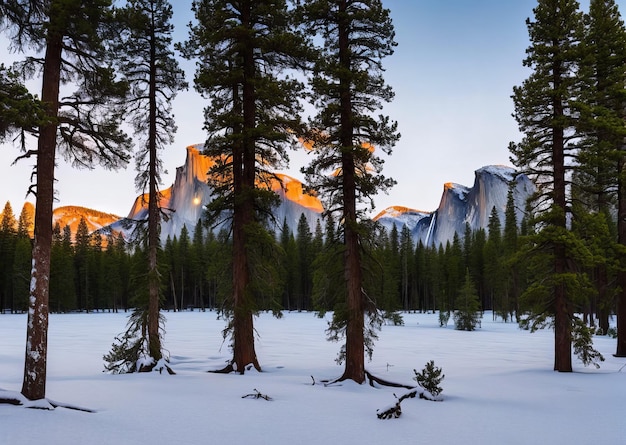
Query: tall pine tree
(147, 63)
(603, 158)
(83, 127)
(348, 87)
(244, 48)
(543, 110)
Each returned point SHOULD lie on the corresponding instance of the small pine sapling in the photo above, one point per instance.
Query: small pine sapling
(583, 344)
(394, 318)
(444, 316)
(429, 378)
(467, 313)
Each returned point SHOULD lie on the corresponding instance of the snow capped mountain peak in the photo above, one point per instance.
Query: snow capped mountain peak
(461, 205)
(190, 192)
(505, 172)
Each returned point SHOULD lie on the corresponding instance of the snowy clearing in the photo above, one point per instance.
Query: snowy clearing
(499, 387)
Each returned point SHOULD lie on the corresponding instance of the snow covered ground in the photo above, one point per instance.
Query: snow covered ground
(499, 387)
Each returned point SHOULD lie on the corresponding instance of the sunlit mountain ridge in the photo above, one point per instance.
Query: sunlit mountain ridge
(183, 203)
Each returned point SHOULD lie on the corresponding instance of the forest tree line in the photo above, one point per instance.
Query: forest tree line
(102, 272)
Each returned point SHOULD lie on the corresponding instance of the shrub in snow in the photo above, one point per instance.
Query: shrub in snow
(583, 344)
(444, 316)
(430, 378)
(130, 351)
(467, 304)
(394, 318)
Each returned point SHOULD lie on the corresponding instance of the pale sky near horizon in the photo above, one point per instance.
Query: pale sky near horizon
(453, 72)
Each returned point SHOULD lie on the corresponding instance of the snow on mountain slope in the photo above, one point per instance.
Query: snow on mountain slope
(460, 205)
(71, 216)
(190, 192)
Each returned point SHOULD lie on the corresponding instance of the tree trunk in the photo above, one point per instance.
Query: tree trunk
(244, 174)
(35, 363)
(562, 321)
(154, 217)
(355, 341)
(621, 274)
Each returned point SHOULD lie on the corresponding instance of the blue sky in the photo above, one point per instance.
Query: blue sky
(453, 72)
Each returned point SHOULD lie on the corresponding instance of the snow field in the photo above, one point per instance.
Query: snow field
(499, 387)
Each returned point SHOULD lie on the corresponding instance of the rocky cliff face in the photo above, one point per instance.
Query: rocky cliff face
(189, 194)
(460, 205)
(71, 216)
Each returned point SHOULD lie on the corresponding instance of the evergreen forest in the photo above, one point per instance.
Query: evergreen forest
(99, 272)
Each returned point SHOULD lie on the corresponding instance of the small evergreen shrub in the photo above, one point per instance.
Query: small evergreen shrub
(394, 318)
(612, 332)
(444, 316)
(430, 378)
(582, 340)
(467, 304)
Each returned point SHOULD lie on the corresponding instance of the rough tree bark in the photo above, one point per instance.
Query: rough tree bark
(621, 274)
(355, 351)
(35, 364)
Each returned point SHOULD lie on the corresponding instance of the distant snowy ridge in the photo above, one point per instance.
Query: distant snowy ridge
(190, 192)
(460, 205)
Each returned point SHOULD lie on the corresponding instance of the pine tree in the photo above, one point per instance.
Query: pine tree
(26, 221)
(147, 63)
(82, 250)
(7, 249)
(348, 87)
(290, 267)
(430, 378)
(244, 49)
(83, 128)
(603, 160)
(22, 263)
(62, 285)
(467, 306)
(406, 268)
(454, 267)
(184, 267)
(21, 111)
(543, 110)
(494, 268)
(510, 249)
(111, 278)
(304, 241)
(96, 270)
(198, 266)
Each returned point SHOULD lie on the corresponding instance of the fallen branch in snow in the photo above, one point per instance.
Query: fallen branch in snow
(68, 406)
(11, 398)
(395, 410)
(16, 398)
(257, 395)
(373, 379)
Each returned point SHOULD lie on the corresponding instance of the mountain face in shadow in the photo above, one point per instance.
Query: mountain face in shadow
(461, 205)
